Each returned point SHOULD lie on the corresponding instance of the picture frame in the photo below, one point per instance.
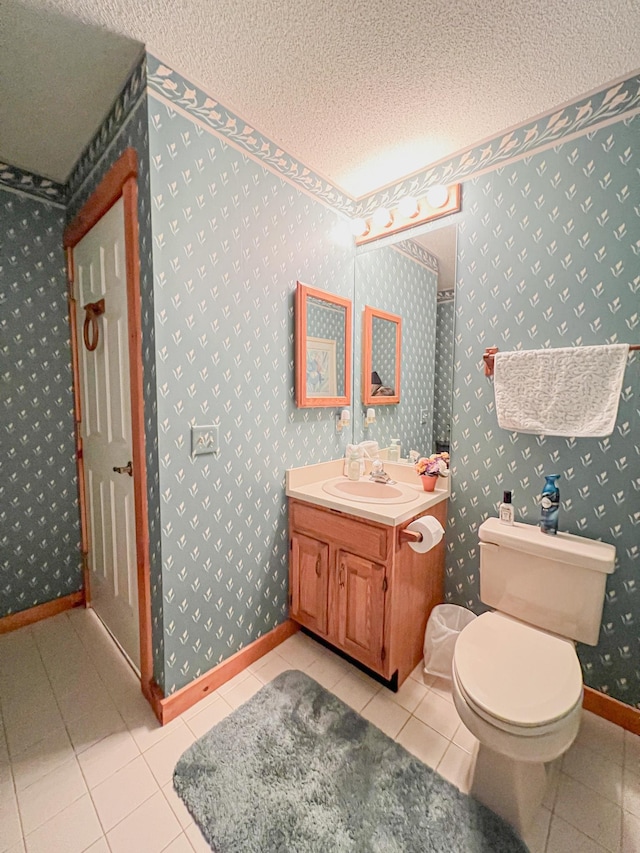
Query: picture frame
(321, 367)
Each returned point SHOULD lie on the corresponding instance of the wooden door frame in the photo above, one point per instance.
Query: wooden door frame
(119, 182)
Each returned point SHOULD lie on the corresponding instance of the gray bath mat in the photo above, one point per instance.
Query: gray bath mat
(295, 770)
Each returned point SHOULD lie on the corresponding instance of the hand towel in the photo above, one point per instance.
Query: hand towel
(570, 391)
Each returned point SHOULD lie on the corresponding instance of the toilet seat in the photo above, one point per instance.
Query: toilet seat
(516, 677)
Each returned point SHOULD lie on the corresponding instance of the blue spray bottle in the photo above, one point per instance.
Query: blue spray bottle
(550, 505)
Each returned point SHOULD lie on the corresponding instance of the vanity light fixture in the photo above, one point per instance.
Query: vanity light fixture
(438, 201)
(437, 196)
(359, 227)
(343, 419)
(382, 218)
(370, 418)
(408, 207)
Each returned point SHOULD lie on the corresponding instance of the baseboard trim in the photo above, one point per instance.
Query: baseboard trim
(170, 707)
(611, 709)
(41, 611)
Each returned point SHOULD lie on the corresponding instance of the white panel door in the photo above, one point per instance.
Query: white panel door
(100, 273)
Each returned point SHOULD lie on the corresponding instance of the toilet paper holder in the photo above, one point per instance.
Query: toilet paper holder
(407, 535)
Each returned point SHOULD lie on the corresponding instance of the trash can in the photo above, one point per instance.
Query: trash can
(445, 623)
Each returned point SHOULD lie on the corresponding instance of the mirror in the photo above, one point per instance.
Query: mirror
(381, 353)
(323, 348)
(413, 279)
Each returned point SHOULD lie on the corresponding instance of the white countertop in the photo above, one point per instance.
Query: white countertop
(305, 484)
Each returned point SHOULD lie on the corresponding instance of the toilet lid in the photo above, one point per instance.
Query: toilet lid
(515, 672)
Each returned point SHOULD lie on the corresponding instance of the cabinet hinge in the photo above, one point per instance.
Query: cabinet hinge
(385, 585)
(383, 653)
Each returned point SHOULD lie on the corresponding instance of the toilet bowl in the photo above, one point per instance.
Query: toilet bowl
(519, 691)
(516, 678)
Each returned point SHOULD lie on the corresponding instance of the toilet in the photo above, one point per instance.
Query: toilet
(516, 678)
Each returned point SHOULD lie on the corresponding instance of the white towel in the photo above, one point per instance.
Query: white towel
(571, 391)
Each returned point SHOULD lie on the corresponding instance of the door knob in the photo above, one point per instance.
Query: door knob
(127, 469)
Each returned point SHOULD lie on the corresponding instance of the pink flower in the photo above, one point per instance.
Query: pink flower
(435, 465)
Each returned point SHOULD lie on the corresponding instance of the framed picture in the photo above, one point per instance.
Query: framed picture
(321, 367)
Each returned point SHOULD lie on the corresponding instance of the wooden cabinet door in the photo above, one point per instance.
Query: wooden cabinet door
(309, 581)
(361, 592)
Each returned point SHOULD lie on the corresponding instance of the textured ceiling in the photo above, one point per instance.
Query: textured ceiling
(58, 79)
(363, 92)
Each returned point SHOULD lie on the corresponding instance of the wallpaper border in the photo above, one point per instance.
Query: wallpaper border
(587, 113)
(110, 127)
(35, 186)
(447, 295)
(417, 253)
(170, 86)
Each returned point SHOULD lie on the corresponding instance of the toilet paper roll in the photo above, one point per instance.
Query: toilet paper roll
(432, 532)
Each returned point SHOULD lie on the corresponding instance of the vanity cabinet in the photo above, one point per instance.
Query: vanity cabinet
(357, 585)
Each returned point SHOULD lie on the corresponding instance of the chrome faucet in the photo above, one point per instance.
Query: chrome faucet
(378, 474)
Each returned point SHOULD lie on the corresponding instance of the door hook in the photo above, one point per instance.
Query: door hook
(92, 311)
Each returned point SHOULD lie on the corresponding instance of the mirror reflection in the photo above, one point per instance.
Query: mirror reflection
(381, 357)
(415, 280)
(323, 348)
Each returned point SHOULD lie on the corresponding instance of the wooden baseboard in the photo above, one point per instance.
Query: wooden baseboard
(170, 707)
(42, 611)
(611, 709)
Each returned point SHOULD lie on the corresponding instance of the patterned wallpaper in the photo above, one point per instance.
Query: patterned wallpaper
(230, 242)
(444, 367)
(391, 281)
(39, 525)
(548, 257)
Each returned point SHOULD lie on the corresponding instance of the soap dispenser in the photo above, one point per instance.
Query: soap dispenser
(393, 453)
(353, 470)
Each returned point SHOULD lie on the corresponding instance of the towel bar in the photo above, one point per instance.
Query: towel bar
(490, 352)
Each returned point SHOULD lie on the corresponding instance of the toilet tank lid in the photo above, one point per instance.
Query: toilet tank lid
(563, 547)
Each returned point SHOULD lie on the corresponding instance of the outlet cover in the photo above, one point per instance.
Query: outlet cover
(205, 439)
(424, 416)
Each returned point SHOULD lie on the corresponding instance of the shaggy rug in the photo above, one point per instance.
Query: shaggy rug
(295, 770)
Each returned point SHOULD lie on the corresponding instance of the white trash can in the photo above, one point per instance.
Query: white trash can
(445, 623)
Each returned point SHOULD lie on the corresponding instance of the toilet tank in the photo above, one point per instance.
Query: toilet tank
(556, 583)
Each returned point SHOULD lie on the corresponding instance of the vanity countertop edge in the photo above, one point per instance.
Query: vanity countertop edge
(305, 484)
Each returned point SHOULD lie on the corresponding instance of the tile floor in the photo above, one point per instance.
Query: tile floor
(85, 767)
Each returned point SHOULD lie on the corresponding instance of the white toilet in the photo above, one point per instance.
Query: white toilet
(517, 681)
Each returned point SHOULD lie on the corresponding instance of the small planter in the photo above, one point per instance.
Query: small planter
(429, 482)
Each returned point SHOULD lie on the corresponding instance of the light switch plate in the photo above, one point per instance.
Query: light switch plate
(205, 440)
(424, 416)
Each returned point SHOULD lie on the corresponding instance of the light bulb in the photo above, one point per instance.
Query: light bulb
(438, 196)
(382, 218)
(408, 207)
(359, 227)
(345, 417)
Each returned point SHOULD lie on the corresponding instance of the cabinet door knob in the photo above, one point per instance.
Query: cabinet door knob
(341, 578)
(318, 567)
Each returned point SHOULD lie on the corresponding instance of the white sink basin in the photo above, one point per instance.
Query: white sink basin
(366, 491)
